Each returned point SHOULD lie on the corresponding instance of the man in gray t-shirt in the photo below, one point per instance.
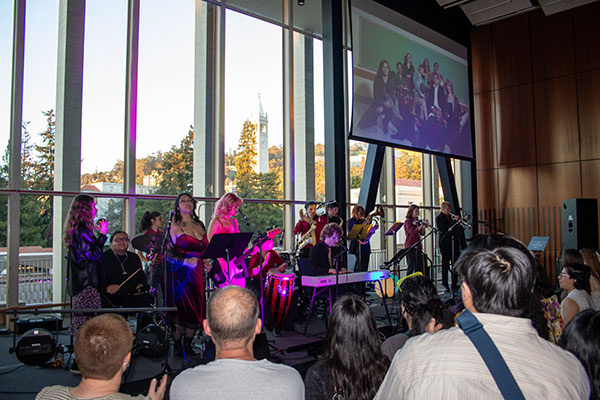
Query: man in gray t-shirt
(232, 322)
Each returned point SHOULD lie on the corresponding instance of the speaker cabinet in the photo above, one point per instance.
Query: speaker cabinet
(580, 223)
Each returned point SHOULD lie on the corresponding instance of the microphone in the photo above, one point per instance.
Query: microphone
(171, 215)
(242, 214)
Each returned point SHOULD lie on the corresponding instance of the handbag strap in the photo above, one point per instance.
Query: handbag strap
(491, 356)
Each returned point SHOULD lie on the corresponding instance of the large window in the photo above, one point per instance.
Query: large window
(39, 90)
(6, 34)
(253, 107)
(103, 100)
(164, 146)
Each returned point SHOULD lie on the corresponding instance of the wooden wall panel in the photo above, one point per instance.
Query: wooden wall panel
(557, 182)
(485, 128)
(514, 126)
(517, 187)
(588, 88)
(587, 38)
(511, 52)
(590, 177)
(556, 127)
(481, 59)
(552, 47)
(487, 189)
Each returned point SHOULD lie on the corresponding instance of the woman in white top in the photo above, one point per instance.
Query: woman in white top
(590, 258)
(575, 280)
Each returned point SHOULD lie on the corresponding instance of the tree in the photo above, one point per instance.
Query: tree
(177, 165)
(245, 159)
(408, 165)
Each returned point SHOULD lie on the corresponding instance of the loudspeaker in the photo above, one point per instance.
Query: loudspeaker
(580, 224)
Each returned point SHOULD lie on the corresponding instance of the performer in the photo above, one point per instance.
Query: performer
(258, 273)
(152, 224)
(413, 228)
(84, 260)
(125, 280)
(333, 208)
(443, 222)
(308, 221)
(223, 221)
(362, 262)
(85, 257)
(323, 254)
(185, 280)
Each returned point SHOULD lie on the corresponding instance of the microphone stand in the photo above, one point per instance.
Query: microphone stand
(337, 269)
(163, 252)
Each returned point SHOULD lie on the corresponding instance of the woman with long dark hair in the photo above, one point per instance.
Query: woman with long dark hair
(413, 228)
(185, 280)
(581, 337)
(152, 222)
(384, 92)
(353, 365)
(85, 257)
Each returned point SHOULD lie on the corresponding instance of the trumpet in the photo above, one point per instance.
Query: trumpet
(373, 219)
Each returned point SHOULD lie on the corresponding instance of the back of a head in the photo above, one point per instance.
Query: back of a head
(571, 256)
(415, 291)
(500, 276)
(581, 337)
(101, 346)
(590, 258)
(232, 314)
(353, 354)
(435, 309)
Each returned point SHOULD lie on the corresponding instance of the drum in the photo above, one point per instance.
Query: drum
(279, 287)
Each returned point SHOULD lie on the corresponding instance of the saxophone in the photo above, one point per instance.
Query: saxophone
(306, 238)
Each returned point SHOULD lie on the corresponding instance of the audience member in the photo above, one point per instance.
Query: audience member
(571, 256)
(103, 351)
(581, 337)
(590, 258)
(233, 320)
(353, 365)
(575, 280)
(496, 289)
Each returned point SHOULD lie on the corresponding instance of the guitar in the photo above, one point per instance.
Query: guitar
(240, 261)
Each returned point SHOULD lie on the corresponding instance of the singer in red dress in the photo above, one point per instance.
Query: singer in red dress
(185, 280)
(413, 229)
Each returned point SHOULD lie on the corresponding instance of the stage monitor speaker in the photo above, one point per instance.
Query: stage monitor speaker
(580, 224)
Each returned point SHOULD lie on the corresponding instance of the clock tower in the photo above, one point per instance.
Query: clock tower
(263, 139)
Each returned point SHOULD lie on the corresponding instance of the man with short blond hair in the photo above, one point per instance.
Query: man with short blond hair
(233, 320)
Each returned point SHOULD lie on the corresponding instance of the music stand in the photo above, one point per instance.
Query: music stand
(538, 243)
(227, 246)
(395, 228)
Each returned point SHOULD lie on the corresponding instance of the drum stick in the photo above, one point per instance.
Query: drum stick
(131, 276)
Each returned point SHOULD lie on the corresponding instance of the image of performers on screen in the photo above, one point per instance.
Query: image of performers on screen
(451, 234)
(308, 228)
(125, 280)
(326, 255)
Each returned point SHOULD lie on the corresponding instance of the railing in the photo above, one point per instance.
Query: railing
(523, 223)
(35, 278)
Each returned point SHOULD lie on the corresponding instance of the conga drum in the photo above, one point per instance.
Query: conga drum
(279, 287)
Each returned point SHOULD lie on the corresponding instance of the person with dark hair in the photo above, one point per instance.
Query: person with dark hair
(575, 280)
(185, 280)
(223, 221)
(413, 228)
(103, 350)
(308, 228)
(323, 256)
(496, 291)
(416, 292)
(431, 317)
(233, 321)
(84, 260)
(571, 256)
(449, 241)
(581, 337)
(384, 92)
(590, 258)
(362, 261)
(151, 222)
(352, 366)
(126, 283)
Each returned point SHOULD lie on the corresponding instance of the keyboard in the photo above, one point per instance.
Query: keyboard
(353, 277)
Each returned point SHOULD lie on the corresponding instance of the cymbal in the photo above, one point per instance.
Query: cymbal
(147, 242)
